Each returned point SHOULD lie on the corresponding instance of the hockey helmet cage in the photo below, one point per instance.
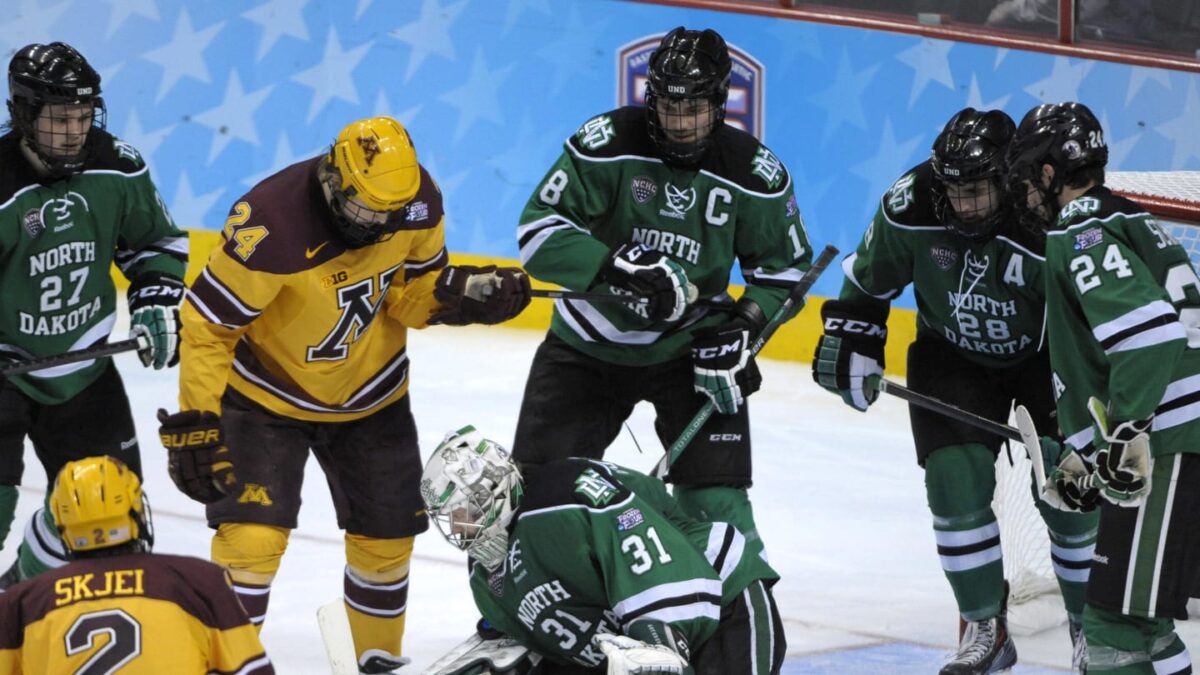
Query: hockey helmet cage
(968, 170)
(373, 170)
(97, 503)
(53, 74)
(688, 66)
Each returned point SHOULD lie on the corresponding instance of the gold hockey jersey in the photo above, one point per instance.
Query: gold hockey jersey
(295, 321)
(139, 613)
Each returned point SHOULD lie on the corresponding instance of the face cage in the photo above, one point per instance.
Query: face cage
(1040, 217)
(470, 523)
(24, 118)
(357, 224)
(980, 229)
(683, 153)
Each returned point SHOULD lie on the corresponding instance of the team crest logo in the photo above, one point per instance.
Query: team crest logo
(255, 494)
(747, 83)
(643, 189)
(1090, 237)
(596, 132)
(370, 148)
(32, 221)
(943, 256)
(678, 202)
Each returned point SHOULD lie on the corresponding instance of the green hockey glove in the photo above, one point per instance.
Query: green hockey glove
(1123, 468)
(850, 351)
(154, 312)
(643, 272)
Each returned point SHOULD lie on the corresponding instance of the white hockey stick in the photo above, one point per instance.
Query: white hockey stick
(1033, 444)
(335, 633)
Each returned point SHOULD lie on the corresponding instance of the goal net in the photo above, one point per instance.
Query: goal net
(1034, 601)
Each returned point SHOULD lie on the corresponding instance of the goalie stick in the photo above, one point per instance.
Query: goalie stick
(794, 297)
(335, 633)
(99, 351)
(503, 655)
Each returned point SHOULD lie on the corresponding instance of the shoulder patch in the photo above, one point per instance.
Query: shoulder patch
(767, 166)
(596, 132)
(595, 488)
(629, 519)
(126, 151)
(1090, 237)
(1079, 208)
(900, 196)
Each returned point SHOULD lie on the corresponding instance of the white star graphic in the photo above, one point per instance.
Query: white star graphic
(557, 52)
(1062, 84)
(843, 100)
(517, 8)
(233, 117)
(146, 142)
(477, 98)
(284, 157)
(1118, 150)
(29, 21)
(183, 54)
(188, 208)
(361, 7)
(975, 98)
(123, 9)
(278, 18)
(429, 34)
(333, 76)
(1184, 130)
(516, 173)
(1139, 75)
(887, 164)
(929, 61)
(449, 184)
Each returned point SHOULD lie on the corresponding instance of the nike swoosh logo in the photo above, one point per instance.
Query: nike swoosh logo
(310, 252)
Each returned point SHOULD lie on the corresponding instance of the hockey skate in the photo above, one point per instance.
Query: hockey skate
(1079, 658)
(378, 662)
(984, 646)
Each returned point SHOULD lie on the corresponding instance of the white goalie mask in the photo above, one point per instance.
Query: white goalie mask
(471, 488)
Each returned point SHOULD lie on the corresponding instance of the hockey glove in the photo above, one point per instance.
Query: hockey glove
(723, 368)
(154, 312)
(1068, 478)
(1123, 468)
(643, 272)
(627, 656)
(850, 351)
(486, 295)
(197, 458)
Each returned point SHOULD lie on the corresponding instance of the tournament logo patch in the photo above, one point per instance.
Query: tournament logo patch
(32, 221)
(630, 519)
(643, 189)
(747, 83)
(416, 211)
(1090, 237)
(792, 208)
(943, 256)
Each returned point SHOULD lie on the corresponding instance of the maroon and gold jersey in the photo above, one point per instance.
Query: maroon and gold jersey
(289, 317)
(137, 613)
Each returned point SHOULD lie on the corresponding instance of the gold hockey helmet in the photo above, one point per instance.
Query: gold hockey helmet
(374, 174)
(97, 503)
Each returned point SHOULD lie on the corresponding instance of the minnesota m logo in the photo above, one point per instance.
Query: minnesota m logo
(256, 494)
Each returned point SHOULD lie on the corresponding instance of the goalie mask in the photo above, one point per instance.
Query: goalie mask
(686, 89)
(369, 176)
(98, 504)
(471, 489)
(54, 101)
(968, 171)
(1068, 138)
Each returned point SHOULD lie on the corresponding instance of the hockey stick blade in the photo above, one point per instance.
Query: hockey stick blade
(795, 297)
(500, 655)
(99, 351)
(943, 408)
(335, 633)
(1033, 445)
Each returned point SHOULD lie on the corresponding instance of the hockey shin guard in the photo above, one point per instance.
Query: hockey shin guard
(959, 481)
(1072, 541)
(719, 502)
(252, 554)
(1129, 645)
(376, 592)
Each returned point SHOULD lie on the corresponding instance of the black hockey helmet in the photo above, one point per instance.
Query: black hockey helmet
(41, 75)
(968, 171)
(688, 67)
(1066, 136)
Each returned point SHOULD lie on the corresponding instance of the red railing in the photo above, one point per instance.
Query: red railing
(1065, 44)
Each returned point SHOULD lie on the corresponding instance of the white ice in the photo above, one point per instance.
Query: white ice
(838, 495)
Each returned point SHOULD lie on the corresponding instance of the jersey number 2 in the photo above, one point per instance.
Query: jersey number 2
(124, 641)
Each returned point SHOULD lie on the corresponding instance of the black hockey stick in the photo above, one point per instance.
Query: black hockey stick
(595, 296)
(794, 297)
(99, 351)
(943, 408)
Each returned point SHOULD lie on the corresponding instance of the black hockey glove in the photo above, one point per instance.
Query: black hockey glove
(154, 312)
(644, 272)
(486, 295)
(197, 458)
(723, 368)
(850, 351)
(1068, 478)
(1123, 468)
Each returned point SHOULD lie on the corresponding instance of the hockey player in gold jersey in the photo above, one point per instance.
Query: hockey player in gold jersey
(294, 339)
(117, 606)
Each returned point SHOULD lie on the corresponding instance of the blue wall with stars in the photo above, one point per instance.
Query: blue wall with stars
(218, 95)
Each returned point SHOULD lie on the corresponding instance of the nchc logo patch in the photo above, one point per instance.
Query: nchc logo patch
(747, 83)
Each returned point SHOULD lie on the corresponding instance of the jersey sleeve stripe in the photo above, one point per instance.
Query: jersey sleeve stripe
(725, 548)
(93, 336)
(692, 593)
(259, 665)
(416, 268)
(176, 247)
(531, 236)
(670, 610)
(761, 277)
(218, 303)
(1180, 404)
(848, 269)
(1151, 324)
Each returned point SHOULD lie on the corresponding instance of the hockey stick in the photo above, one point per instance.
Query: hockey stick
(99, 351)
(475, 655)
(937, 406)
(794, 297)
(335, 633)
(596, 296)
(1033, 445)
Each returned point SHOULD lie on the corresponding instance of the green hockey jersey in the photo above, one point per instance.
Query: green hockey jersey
(1124, 322)
(58, 241)
(986, 298)
(609, 188)
(595, 547)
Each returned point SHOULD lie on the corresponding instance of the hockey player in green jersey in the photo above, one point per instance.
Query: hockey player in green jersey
(1123, 302)
(588, 562)
(977, 277)
(73, 201)
(647, 201)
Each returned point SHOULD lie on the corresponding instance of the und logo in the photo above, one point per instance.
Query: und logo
(943, 256)
(643, 189)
